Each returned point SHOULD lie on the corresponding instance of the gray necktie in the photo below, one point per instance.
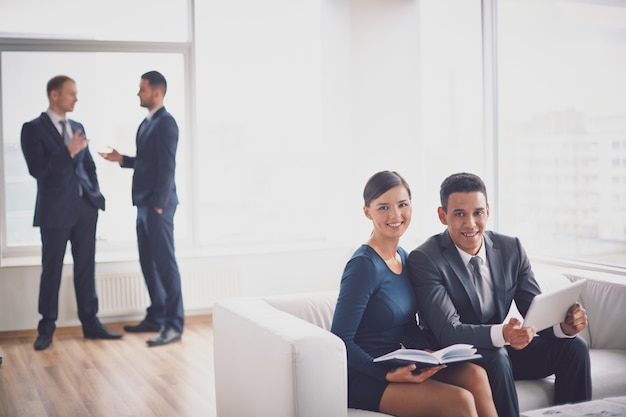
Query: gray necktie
(482, 288)
(64, 132)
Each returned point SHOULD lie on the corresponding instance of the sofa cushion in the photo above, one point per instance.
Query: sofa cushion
(608, 367)
(607, 380)
(315, 307)
(604, 298)
(536, 393)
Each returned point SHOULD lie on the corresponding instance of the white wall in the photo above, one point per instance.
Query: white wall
(259, 274)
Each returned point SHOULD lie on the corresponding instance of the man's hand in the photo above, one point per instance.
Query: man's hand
(575, 320)
(77, 143)
(113, 156)
(517, 336)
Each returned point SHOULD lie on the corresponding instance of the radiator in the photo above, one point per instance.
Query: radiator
(126, 294)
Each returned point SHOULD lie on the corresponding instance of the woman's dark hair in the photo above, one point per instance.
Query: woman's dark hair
(460, 183)
(380, 183)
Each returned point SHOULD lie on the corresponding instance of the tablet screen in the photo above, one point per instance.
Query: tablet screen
(548, 309)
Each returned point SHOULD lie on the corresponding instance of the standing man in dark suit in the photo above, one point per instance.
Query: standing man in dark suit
(464, 303)
(68, 200)
(154, 194)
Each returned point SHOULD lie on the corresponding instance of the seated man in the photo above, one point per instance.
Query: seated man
(466, 279)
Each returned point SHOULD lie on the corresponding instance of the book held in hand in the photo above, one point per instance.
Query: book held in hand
(453, 353)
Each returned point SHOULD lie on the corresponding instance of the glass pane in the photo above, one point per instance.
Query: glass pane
(138, 20)
(109, 109)
(562, 127)
(451, 101)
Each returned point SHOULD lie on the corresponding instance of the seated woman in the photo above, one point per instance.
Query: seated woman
(376, 314)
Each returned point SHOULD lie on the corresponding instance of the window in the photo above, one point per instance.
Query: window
(109, 109)
(107, 72)
(451, 104)
(286, 108)
(561, 113)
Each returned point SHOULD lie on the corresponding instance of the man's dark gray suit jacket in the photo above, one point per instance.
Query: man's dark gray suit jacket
(448, 302)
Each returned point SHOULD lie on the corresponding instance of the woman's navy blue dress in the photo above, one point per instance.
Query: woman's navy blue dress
(375, 314)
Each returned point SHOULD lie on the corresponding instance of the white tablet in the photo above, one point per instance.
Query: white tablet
(548, 309)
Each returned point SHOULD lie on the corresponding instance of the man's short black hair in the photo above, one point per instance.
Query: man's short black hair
(461, 182)
(155, 79)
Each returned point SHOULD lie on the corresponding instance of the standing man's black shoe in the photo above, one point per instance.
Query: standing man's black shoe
(165, 336)
(100, 332)
(143, 326)
(42, 342)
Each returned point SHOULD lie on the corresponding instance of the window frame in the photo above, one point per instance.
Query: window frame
(29, 255)
(493, 141)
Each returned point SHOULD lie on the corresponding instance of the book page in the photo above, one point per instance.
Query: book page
(409, 355)
(451, 353)
(456, 350)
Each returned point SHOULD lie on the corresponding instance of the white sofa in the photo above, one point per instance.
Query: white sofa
(275, 356)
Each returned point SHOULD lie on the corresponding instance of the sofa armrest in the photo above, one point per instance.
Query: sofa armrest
(268, 362)
(604, 298)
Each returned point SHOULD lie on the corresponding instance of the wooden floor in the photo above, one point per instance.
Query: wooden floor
(108, 378)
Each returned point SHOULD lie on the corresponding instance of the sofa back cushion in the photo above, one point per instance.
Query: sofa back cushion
(604, 298)
(315, 307)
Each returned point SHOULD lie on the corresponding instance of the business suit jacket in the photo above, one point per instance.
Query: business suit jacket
(58, 174)
(448, 304)
(447, 299)
(155, 162)
(154, 187)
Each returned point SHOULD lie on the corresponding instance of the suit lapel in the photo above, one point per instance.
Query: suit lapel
(146, 125)
(141, 131)
(51, 129)
(75, 126)
(451, 254)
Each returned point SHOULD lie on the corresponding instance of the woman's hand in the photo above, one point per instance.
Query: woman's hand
(405, 373)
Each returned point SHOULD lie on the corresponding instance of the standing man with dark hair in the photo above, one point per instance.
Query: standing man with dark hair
(154, 195)
(466, 279)
(68, 200)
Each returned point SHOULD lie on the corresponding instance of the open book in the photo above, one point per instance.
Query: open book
(422, 358)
